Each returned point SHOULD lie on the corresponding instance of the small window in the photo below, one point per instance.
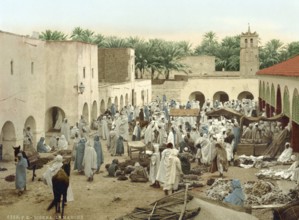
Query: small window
(251, 41)
(245, 41)
(11, 67)
(32, 67)
(92, 72)
(84, 72)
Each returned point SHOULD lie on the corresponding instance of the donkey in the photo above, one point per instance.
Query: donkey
(31, 156)
(60, 182)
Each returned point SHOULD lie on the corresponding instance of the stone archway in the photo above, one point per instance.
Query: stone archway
(198, 96)
(121, 102)
(94, 111)
(245, 95)
(127, 99)
(7, 141)
(102, 107)
(54, 118)
(116, 103)
(109, 104)
(30, 122)
(85, 112)
(142, 97)
(220, 96)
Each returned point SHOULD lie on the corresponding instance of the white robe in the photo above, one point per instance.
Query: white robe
(163, 163)
(154, 166)
(89, 161)
(50, 172)
(173, 172)
(62, 143)
(105, 130)
(285, 155)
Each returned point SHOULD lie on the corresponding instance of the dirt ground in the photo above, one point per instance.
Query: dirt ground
(104, 198)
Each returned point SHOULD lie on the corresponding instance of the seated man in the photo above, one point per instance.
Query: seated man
(112, 168)
(42, 147)
(285, 156)
(236, 197)
(138, 174)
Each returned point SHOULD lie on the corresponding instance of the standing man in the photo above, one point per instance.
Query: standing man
(21, 166)
(154, 167)
(219, 162)
(89, 161)
(173, 173)
(98, 148)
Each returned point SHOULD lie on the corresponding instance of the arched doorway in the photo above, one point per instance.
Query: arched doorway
(286, 107)
(54, 118)
(198, 96)
(121, 102)
(94, 111)
(102, 107)
(278, 100)
(109, 103)
(220, 96)
(127, 99)
(7, 140)
(30, 122)
(142, 97)
(295, 121)
(245, 95)
(116, 103)
(85, 112)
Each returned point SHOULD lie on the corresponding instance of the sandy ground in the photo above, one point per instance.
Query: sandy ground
(104, 198)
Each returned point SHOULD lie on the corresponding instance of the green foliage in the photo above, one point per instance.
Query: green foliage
(52, 35)
(160, 57)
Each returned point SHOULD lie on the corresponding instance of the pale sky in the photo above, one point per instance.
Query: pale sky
(167, 19)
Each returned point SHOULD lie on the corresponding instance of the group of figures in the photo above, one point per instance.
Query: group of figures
(175, 142)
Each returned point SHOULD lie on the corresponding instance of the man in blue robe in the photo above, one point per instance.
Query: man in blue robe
(99, 151)
(79, 155)
(21, 166)
(236, 197)
(42, 147)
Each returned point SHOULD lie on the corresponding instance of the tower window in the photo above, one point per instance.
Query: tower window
(11, 67)
(32, 67)
(84, 72)
(92, 72)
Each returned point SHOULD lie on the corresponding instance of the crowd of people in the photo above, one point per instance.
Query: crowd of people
(174, 141)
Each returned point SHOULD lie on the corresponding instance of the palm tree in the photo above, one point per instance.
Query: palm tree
(86, 35)
(115, 42)
(169, 58)
(208, 45)
(271, 53)
(99, 40)
(52, 35)
(293, 49)
(228, 54)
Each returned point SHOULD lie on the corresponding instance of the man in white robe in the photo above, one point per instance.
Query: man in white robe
(285, 156)
(173, 173)
(62, 143)
(104, 126)
(154, 167)
(65, 130)
(163, 163)
(51, 171)
(89, 161)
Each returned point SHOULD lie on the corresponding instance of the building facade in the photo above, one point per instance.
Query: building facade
(278, 93)
(204, 83)
(46, 81)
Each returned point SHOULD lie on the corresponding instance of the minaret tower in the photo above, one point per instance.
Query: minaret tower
(249, 53)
